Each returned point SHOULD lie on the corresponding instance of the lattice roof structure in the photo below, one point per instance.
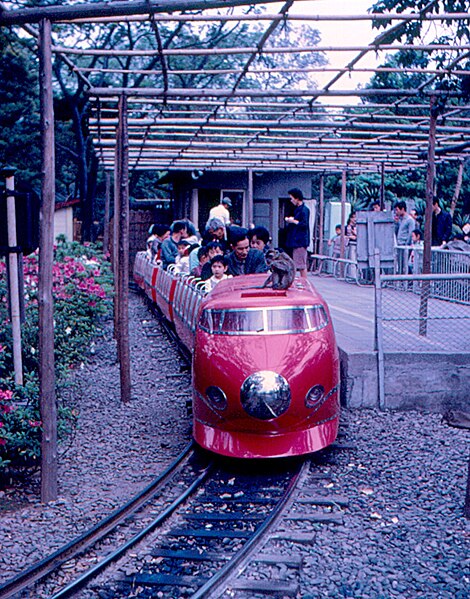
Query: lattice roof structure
(243, 116)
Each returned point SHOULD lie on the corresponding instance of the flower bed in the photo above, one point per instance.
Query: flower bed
(82, 291)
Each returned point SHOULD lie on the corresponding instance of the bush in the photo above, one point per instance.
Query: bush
(82, 290)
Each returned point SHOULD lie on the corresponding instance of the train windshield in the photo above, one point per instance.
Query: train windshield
(249, 321)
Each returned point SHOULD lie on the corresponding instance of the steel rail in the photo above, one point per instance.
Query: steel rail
(46, 566)
(216, 584)
(87, 576)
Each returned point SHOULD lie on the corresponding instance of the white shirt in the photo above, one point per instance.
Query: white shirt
(212, 282)
(220, 212)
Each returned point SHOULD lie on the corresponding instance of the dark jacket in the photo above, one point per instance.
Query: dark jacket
(254, 263)
(169, 251)
(441, 227)
(298, 236)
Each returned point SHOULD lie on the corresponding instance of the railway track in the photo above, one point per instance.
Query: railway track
(121, 528)
(215, 515)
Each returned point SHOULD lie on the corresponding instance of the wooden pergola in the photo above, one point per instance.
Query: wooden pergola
(242, 117)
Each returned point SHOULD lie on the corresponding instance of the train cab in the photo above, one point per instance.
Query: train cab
(265, 370)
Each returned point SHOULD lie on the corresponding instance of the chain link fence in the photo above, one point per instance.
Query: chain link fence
(423, 313)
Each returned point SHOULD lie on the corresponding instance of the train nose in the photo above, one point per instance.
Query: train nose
(265, 395)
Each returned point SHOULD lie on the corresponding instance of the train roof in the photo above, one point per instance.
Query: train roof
(247, 291)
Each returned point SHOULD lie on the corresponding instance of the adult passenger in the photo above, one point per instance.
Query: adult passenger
(154, 242)
(441, 224)
(259, 239)
(298, 231)
(169, 248)
(215, 231)
(221, 211)
(243, 260)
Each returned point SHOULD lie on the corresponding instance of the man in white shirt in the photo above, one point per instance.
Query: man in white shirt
(221, 211)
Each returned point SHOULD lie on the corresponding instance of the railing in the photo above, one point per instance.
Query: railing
(423, 321)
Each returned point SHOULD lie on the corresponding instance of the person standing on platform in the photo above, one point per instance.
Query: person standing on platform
(441, 224)
(222, 211)
(404, 226)
(298, 231)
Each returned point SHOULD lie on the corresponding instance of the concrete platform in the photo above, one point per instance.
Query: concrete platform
(435, 381)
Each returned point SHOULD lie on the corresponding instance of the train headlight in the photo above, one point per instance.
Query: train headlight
(315, 396)
(265, 395)
(216, 397)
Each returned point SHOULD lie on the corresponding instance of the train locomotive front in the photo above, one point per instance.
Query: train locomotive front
(265, 371)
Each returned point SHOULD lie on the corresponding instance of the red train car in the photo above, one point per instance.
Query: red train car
(265, 371)
(265, 363)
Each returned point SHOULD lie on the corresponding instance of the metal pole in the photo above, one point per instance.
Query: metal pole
(249, 205)
(13, 279)
(46, 256)
(378, 338)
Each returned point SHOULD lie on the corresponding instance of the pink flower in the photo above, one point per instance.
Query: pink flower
(5, 394)
(34, 422)
(3, 441)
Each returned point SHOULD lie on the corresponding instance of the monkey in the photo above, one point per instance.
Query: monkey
(282, 270)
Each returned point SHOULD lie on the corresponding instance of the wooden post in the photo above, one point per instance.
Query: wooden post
(107, 202)
(430, 176)
(46, 246)
(343, 212)
(321, 215)
(115, 256)
(13, 275)
(123, 259)
(382, 186)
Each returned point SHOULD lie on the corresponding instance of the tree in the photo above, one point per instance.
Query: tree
(19, 108)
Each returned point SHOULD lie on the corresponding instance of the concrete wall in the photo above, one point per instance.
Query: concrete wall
(434, 382)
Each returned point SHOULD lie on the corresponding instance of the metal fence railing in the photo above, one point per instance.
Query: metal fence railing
(408, 260)
(414, 315)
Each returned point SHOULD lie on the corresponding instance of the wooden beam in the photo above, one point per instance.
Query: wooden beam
(91, 10)
(46, 255)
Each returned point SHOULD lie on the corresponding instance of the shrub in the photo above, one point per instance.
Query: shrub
(82, 290)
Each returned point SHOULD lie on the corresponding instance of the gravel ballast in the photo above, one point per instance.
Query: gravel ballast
(404, 534)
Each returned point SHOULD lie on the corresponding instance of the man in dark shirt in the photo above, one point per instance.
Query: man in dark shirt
(298, 231)
(441, 224)
(243, 260)
(169, 248)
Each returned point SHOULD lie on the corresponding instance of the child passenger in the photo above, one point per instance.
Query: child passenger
(219, 272)
(182, 259)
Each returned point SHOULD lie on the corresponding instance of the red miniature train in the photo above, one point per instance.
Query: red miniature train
(265, 362)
